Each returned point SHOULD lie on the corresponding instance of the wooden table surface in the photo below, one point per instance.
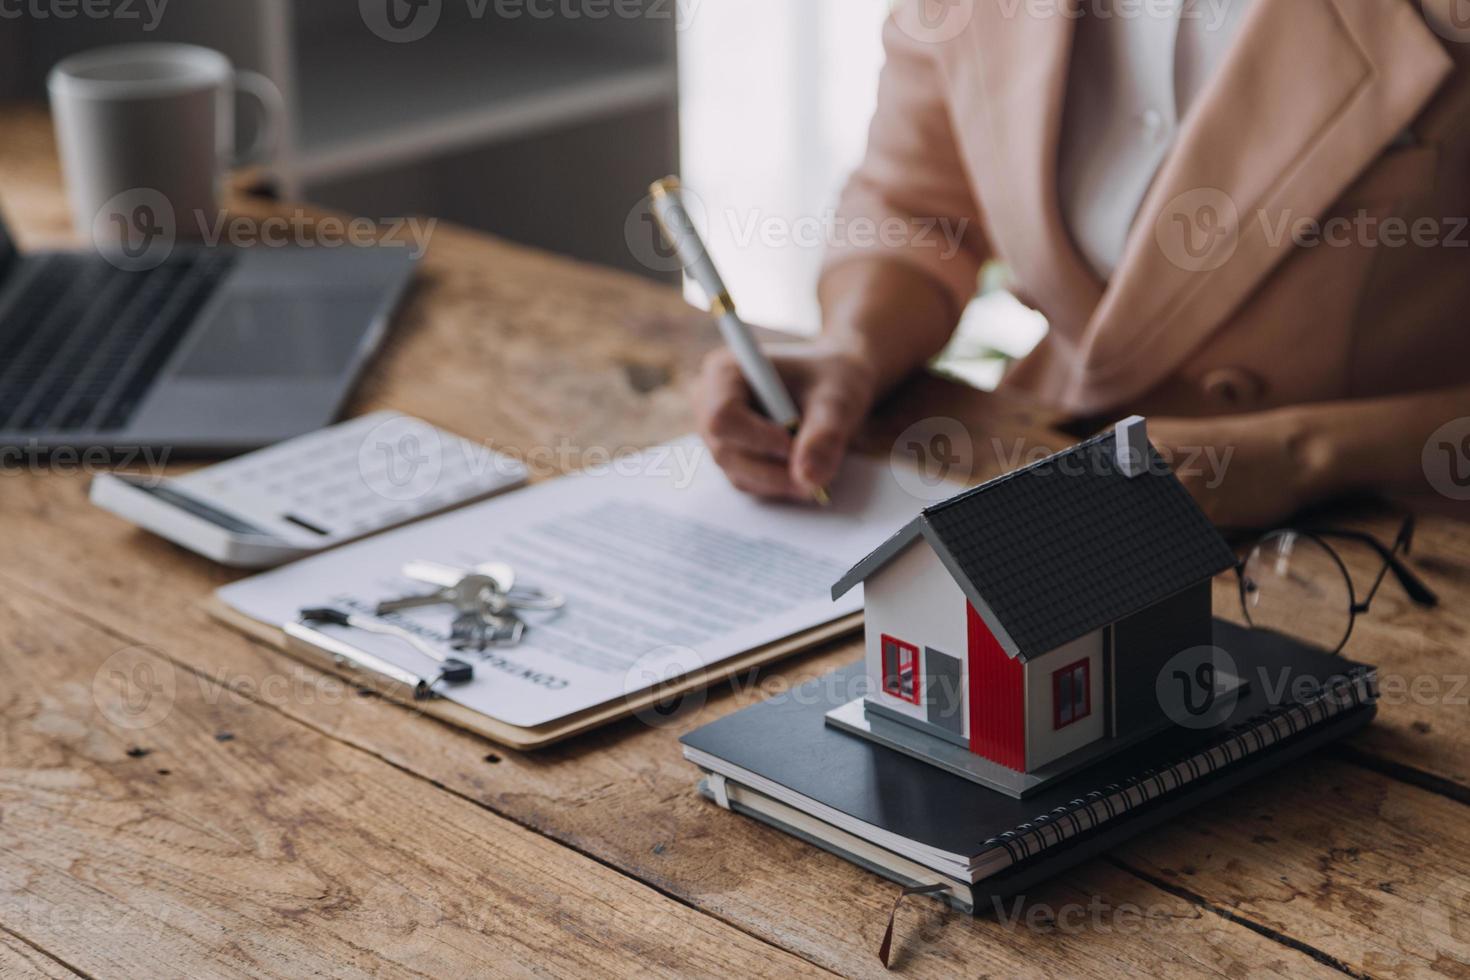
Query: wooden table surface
(255, 817)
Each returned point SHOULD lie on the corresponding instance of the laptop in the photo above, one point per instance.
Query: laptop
(214, 350)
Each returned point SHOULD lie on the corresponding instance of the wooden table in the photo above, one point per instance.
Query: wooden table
(273, 820)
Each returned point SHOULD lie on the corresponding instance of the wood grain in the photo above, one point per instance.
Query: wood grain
(1369, 870)
(176, 834)
(553, 361)
(19, 959)
(627, 799)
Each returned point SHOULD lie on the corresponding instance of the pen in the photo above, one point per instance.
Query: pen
(452, 671)
(679, 231)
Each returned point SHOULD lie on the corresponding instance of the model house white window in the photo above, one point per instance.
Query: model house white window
(901, 669)
(1071, 694)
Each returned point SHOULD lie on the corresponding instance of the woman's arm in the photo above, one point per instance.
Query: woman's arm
(1256, 470)
(907, 249)
(887, 313)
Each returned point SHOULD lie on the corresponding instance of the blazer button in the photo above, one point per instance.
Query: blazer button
(1233, 387)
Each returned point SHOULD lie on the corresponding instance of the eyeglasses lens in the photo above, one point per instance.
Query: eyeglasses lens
(1292, 584)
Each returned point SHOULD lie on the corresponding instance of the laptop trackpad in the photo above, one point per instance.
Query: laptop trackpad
(293, 335)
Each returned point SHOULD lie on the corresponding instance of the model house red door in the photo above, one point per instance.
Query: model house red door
(997, 698)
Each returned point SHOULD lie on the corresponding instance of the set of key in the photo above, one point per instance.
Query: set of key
(485, 598)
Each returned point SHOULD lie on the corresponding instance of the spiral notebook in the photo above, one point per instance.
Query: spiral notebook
(919, 825)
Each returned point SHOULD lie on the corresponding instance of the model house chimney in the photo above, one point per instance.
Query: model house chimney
(1131, 445)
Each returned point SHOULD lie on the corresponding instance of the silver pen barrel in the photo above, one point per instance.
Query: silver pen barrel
(678, 228)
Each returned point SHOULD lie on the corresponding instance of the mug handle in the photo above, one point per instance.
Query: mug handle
(272, 117)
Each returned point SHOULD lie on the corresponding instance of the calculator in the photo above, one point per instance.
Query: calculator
(312, 492)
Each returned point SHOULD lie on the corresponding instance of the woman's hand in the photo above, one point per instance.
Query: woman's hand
(834, 389)
(1246, 471)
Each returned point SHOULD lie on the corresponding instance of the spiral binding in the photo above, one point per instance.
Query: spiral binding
(1249, 737)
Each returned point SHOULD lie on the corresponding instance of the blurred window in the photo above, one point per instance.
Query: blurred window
(775, 99)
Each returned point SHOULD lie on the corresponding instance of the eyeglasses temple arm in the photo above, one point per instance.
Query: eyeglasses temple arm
(1412, 584)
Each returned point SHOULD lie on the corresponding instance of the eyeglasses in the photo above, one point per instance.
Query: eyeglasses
(1294, 583)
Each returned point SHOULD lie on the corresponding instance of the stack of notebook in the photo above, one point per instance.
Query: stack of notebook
(781, 763)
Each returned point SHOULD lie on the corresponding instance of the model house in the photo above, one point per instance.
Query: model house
(1017, 630)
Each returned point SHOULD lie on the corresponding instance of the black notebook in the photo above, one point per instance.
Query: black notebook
(780, 762)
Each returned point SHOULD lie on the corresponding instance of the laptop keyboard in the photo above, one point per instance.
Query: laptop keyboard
(85, 341)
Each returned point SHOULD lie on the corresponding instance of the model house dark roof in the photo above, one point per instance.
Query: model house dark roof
(1063, 547)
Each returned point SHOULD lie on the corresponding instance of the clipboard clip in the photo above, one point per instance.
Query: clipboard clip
(452, 670)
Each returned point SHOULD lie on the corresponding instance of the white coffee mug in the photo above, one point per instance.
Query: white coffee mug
(149, 127)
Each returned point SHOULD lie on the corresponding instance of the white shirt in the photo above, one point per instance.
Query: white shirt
(1137, 69)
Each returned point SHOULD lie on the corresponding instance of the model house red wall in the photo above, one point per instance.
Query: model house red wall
(997, 698)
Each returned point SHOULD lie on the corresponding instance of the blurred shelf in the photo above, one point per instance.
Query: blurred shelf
(542, 125)
(448, 93)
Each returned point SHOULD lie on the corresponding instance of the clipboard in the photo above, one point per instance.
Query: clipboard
(645, 528)
(330, 655)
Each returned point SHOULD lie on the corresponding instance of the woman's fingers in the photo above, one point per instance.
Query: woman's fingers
(834, 391)
(726, 418)
(831, 415)
(759, 476)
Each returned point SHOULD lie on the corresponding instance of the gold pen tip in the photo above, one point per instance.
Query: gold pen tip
(664, 185)
(821, 496)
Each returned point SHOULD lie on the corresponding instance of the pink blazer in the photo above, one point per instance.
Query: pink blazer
(1305, 241)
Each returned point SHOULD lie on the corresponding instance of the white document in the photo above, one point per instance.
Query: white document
(665, 567)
